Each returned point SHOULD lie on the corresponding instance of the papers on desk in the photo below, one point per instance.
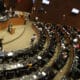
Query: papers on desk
(43, 73)
(75, 40)
(14, 66)
(34, 76)
(39, 57)
(10, 54)
(1, 17)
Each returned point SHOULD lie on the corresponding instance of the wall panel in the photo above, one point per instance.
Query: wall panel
(58, 11)
(22, 5)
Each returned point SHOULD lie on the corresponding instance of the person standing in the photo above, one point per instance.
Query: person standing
(33, 39)
(10, 27)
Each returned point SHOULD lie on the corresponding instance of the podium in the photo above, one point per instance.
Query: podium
(12, 31)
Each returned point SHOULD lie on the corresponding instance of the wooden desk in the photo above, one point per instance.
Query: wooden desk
(17, 21)
(14, 21)
(3, 25)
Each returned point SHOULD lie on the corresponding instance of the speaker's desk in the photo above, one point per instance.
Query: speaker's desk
(14, 21)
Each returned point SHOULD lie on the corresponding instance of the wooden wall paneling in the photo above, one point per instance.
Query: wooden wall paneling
(21, 5)
(58, 11)
(24, 5)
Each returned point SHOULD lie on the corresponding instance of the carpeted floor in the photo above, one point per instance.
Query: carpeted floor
(20, 39)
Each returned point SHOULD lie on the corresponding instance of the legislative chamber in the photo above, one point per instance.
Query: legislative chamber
(39, 40)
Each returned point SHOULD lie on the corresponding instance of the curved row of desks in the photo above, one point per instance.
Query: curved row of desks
(50, 63)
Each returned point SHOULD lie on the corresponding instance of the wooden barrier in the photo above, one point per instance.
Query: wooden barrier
(14, 21)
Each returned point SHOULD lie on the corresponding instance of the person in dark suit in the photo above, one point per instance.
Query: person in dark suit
(1, 44)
